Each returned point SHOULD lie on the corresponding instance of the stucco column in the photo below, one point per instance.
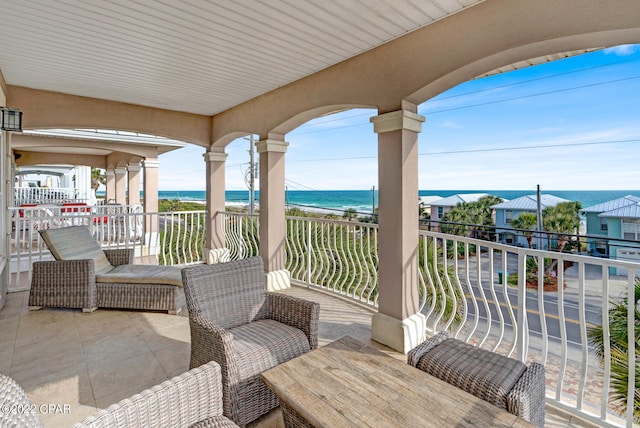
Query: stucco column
(133, 170)
(272, 218)
(121, 184)
(215, 251)
(151, 203)
(110, 185)
(398, 324)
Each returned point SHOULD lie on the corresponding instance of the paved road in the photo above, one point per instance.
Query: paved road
(592, 312)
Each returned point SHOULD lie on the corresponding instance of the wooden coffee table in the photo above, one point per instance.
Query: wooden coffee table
(350, 384)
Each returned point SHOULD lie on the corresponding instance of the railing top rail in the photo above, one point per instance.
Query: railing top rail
(328, 220)
(596, 261)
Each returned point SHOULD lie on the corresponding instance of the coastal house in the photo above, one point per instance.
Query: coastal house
(208, 73)
(425, 205)
(507, 211)
(441, 206)
(618, 221)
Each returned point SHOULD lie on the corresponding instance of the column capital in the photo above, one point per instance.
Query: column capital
(134, 167)
(215, 157)
(110, 173)
(151, 163)
(271, 146)
(397, 120)
(121, 170)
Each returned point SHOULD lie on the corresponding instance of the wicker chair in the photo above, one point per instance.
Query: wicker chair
(247, 330)
(502, 381)
(17, 409)
(86, 276)
(192, 399)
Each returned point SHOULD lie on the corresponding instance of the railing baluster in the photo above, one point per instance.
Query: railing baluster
(563, 343)
(522, 307)
(583, 337)
(632, 306)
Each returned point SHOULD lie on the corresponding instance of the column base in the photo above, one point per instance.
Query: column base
(400, 335)
(215, 255)
(278, 280)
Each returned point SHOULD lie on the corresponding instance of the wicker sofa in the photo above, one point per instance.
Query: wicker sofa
(192, 399)
(502, 381)
(246, 329)
(83, 275)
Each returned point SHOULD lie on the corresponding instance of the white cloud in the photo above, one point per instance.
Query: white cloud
(450, 124)
(622, 50)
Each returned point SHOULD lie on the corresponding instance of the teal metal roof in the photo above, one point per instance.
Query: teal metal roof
(530, 203)
(614, 204)
(453, 200)
(630, 211)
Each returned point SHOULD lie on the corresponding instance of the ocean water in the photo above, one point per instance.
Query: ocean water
(363, 200)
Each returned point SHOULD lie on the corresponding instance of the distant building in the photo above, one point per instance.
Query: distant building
(425, 204)
(441, 206)
(507, 211)
(615, 219)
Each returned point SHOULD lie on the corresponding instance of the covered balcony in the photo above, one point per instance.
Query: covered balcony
(196, 74)
(474, 289)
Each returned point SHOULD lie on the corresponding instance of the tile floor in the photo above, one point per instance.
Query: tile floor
(89, 361)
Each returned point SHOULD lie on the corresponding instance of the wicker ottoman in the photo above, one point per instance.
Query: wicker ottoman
(502, 381)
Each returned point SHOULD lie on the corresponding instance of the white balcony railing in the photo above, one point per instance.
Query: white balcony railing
(167, 238)
(44, 195)
(488, 294)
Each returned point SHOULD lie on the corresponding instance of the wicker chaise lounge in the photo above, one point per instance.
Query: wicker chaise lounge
(235, 322)
(502, 381)
(86, 276)
(192, 399)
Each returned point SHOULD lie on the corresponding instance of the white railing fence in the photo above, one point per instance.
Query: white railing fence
(242, 234)
(43, 195)
(167, 238)
(528, 304)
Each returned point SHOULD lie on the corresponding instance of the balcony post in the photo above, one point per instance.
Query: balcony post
(151, 167)
(133, 170)
(110, 185)
(215, 250)
(398, 323)
(272, 211)
(121, 182)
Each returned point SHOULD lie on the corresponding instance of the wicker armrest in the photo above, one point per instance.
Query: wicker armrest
(210, 342)
(527, 398)
(413, 357)
(181, 401)
(117, 257)
(63, 283)
(296, 312)
(17, 408)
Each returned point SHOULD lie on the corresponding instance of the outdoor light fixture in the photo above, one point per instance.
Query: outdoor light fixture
(11, 119)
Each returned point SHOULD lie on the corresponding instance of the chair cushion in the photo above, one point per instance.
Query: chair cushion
(76, 243)
(480, 372)
(263, 344)
(142, 274)
(228, 294)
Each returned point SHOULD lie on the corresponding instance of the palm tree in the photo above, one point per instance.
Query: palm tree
(470, 218)
(563, 219)
(619, 345)
(527, 222)
(98, 177)
(350, 214)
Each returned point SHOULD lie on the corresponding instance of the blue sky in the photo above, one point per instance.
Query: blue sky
(572, 124)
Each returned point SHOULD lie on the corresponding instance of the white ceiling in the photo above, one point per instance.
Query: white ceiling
(194, 55)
